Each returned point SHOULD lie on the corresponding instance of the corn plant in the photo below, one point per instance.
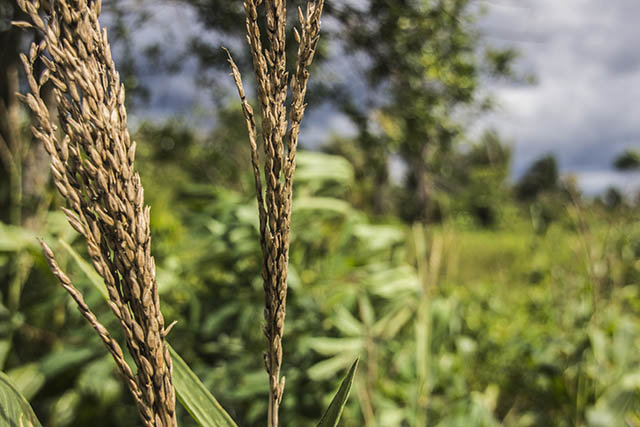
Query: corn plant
(92, 164)
(274, 206)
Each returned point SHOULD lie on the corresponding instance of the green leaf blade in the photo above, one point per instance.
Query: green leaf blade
(14, 408)
(195, 397)
(332, 415)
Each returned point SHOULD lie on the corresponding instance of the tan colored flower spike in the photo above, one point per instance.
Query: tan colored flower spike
(92, 167)
(280, 142)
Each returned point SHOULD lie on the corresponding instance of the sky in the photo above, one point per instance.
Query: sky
(584, 107)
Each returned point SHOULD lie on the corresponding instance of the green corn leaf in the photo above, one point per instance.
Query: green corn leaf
(195, 398)
(347, 323)
(392, 323)
(366, 310)
(389, 283)
(14, 239)
(314, 167)
(329, 346)
(14, 408)
(192, 394)
(379, 237)
(323, 204)
(332, 415)
(328, 368)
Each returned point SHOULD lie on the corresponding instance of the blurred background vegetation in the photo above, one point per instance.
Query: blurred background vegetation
(471, 299)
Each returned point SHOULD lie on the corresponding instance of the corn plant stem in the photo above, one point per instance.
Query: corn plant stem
(428, 266)
(366, 405)
(423, 338)
(422, 328)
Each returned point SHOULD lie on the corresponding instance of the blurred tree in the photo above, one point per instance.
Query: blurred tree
(542, 176)
(613, 198)
(369, 153)
(420, 53)
(480, 180)
(543, 193)
(629, 160)
(426, 59)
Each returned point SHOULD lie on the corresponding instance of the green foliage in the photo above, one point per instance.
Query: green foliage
(500, 61)
(613, 198)
(515, 328)
(542, 192)
(200, 403)
(332, 415)
(14, 409)
(478, 182)
(541, 177)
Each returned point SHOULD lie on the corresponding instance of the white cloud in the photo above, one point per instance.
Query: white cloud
(586, 105)
(598, 182)
(324, 122)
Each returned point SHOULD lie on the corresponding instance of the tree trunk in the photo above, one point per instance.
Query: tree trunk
(424, 185)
